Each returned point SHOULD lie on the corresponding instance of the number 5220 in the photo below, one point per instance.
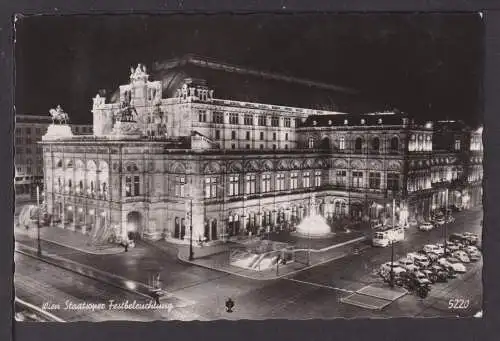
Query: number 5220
(458, 303)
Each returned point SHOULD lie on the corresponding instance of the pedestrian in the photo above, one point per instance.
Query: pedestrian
(126, 246)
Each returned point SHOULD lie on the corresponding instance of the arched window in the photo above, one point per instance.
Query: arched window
(59, 164)
(358, 144)
(376, 144)
(394, 144)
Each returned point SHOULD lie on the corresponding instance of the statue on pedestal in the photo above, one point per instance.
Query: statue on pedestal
(58, 115)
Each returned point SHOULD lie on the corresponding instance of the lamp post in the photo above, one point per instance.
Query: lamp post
(191, 253)
(39, 245)
(445, 222)
(392, 243)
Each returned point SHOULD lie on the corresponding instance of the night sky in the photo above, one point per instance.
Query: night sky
(428, 65)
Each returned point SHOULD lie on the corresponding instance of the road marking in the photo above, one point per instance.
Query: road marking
(320, 285)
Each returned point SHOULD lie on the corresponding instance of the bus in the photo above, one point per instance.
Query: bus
(384, 238)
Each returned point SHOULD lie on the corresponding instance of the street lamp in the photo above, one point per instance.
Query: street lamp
(445, 221)
(191, 253)
(39, 245)
(392, 243)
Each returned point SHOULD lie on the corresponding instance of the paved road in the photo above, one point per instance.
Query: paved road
(46, 285)
(314, 293)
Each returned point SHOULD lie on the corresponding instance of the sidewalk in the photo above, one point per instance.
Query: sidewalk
(219, 261)
(69, 239)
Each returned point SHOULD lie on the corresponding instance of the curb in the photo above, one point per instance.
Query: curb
(44, 313)
(76, 248)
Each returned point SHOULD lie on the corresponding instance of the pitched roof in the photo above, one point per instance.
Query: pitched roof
(250, 85)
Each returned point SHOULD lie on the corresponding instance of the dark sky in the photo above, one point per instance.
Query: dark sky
(428, 65)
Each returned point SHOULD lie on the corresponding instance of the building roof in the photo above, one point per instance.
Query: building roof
(249, 85)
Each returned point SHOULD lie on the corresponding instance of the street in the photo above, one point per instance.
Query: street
(313, 293)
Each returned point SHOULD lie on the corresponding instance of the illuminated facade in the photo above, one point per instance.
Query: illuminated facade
(155, 166)
(28, 155)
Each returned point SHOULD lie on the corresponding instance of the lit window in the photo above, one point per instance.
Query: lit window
(317, 179)
(280, 182)
(293, 181)
(306, 180)
(234, 185)
(342, 143)
(266, 183)
(250, 184)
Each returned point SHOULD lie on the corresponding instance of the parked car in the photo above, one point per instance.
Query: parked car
(385, 273)
(471, 248)
(471, 237)
(426, 226)
(440, 272)
(456, 265)
(461, 256)
(458, 238)
(453, 264)
(417, 283)
(431, 248)
(419, 259)
(407, 264)
(440, 221)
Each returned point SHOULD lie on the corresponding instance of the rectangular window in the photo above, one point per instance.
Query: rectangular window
(250, 184)
(286, 122)
(374, 180)
(28, 130)
(218, 117)
(393, 181)
(28, 140)
(297, 122)
(233, 119)
(28, 150)
(128, 186)
(137, 185)
(306, 179)
(217, 134)
(261, 146)
(233, 135)
(262, 120)
(275, 121)
(180, 182)
(293, 181)
(202, 116)
(274, 136)
(286, 137)
(248, 135)
(233, 146)
(38, 131)
(234, 185)
(280, 182)
(248, 146)
(211, 187)
(19, 141)
(457, 144)
(266, 183)
(357, 179)
(261, 135)
(317, 178)
(286, 146)
(248, 120)
(342, 143)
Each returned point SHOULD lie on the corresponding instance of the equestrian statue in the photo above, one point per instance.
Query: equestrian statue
(58, 115)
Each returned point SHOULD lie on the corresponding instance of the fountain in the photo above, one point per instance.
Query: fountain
(314, 225)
